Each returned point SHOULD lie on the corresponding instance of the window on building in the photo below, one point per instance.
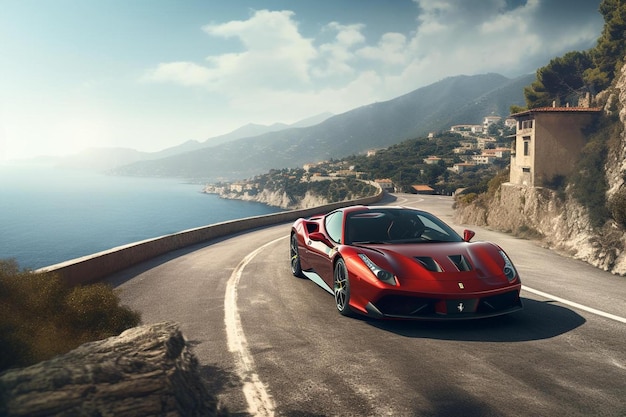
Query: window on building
(526, 145)
(526, 169)
(527, 124)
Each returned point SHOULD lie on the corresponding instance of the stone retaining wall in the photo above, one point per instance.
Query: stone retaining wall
(93, 268)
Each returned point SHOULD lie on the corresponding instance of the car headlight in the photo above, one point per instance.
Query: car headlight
(381, 274)
(509, 269)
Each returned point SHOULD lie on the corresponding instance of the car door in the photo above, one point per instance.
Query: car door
(321, 253)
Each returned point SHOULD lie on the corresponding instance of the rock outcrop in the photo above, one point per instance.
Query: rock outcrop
(561, 225)
(277, 199)
(145, 371)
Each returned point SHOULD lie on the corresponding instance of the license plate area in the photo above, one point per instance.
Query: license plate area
(460, 307)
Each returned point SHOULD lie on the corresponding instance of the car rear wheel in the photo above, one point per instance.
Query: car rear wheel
(296, 268)
(341, 288)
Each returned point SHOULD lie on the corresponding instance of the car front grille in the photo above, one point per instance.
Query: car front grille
(401, 305)
(499, 302)
(422, 307)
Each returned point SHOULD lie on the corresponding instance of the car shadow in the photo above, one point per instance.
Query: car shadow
(538, 320)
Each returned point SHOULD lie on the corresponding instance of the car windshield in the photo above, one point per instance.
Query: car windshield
(397, 225)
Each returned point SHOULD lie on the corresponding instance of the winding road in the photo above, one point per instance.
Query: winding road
(272, 344)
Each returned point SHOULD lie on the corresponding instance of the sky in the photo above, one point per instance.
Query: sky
(152, 74)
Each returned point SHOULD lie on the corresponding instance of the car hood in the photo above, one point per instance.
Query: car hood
(445, 261)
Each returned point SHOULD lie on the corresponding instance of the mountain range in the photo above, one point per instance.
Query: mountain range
(255, 149)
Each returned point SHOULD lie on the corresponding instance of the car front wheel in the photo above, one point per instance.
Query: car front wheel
(341, 288)
(296, 267)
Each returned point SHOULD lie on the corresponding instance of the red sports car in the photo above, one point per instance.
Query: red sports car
(402, 263)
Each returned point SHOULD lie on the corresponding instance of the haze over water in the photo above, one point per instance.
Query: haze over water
(50, 215)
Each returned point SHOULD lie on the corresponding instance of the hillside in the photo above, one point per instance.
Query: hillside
(105, 159)
(454, 100)
(585, 217)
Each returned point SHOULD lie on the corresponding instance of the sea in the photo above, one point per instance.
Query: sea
(50, 215)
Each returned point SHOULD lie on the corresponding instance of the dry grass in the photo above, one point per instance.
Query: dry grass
(41, 317)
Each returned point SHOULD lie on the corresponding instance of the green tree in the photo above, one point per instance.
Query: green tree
(610, 50)
(562, 80)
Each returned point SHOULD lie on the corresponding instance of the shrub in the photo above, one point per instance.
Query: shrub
(466, 199)
(493, 186)
(617, 206)
(527, 232)
(41, 317)
(589, 184)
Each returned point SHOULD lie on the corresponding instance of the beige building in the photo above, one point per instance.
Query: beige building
(548, 142)
(386, 184)
(431, 160)
(461, 167)
(489, 120)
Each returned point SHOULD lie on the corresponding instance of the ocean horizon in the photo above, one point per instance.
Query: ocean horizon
(52, 215)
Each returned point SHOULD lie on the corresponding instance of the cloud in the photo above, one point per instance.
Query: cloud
(337, 58)
(183, 73)
(390, 50)
(275, 53)
(455, 37)
(280, 71)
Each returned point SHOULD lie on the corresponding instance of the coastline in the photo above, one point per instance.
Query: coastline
(270, 198)
(51, 215)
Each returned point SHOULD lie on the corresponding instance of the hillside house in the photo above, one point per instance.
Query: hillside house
(498, 152)
(432, 160)
(482, 143)
(386, 184)
(489, 120)
(548, 142)
(422, 189)
(461, 128)
(484, 159)
(510, 122)
(462, 167)
(467, 130)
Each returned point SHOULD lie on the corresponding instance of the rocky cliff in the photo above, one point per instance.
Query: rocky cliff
(146, 371)
(282, 199)
(559, 221)
(277, 199)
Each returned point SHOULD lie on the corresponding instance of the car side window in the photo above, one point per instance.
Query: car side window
(431, 225)
(334, 222)
(438, 231)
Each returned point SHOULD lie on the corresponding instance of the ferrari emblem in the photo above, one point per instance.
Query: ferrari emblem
(461, 286)
(460, 307)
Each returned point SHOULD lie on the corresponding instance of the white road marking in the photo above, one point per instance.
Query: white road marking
(575, 305)
(260, 402)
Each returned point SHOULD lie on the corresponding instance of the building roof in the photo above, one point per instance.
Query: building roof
(558, 110)
(422, 187)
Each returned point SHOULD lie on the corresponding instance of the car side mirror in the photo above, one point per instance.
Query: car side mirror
(319, 237)
(468, 235)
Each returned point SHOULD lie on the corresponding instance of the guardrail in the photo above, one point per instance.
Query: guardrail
(95, 267)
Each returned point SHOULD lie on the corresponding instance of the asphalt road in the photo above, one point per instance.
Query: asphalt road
(273, 344)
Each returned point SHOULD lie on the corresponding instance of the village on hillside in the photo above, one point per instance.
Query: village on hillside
(478, 148)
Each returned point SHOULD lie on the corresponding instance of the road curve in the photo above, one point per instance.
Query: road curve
(273, 344)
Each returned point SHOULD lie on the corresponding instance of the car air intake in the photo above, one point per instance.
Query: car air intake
(429, 263)
(460, 262)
